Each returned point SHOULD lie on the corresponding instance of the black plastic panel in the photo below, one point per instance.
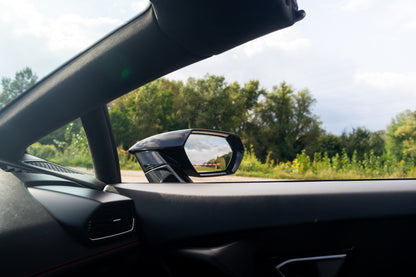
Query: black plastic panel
(172, 212)
(88, 214)
(33, 243)
(210, 27)
(373, 222)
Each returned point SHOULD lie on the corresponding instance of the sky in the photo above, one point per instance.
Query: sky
(356, 57)
(202, 148)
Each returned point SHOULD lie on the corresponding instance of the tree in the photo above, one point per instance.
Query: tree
(401, 136)
(165, 105)
(61, 134)
(23, 80)
(284, 125)
(362, 140)
(330, 144)
(212, 103)
(146, 111)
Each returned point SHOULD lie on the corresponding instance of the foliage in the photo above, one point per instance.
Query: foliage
(63, 134)
(47, 151)
(284, 137)
(212, 103)
(165, 105)
(72, 151)
(401, 136)
(217, 164)
(146, 111)
(23, 80)
(330, 144)
(283, 124)
(362, 140)
(323, 167)
(127, 160)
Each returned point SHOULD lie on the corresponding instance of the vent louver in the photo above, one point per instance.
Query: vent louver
(111, 220)
(51, 166)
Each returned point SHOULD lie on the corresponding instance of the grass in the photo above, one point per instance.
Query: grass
(321, 167)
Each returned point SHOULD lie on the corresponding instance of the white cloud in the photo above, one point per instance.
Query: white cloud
(410, 25)
(287, 40)
(67, 31)
(19, 12)
(356, 5)
(75, 32)
(139, 6)
(400, 15)
(388, 80)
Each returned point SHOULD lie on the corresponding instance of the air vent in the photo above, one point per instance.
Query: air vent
(90, 215)
(52, 166)
(111, 220)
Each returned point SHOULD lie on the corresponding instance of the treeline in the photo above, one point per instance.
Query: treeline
(278, 124)
(165, 105)
(278, 127)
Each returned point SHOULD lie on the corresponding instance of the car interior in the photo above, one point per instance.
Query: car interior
(55, 221)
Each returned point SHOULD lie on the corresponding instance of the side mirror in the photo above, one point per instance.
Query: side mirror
(174, 156)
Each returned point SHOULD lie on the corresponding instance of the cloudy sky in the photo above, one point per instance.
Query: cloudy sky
(355, 56)
(201, 149)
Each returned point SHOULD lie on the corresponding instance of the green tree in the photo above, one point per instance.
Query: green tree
(146, 111)
(122, 125)
(212, 103)
(401, 136)
(61, 134)
(23, 80)
(284, 125)
(330, 144)
(378, 142)
(362, 141)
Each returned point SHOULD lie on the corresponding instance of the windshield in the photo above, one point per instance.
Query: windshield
(38, 37)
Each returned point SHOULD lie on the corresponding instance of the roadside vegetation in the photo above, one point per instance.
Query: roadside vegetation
(283, 138)
(322, 167)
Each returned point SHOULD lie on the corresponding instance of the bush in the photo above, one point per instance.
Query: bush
(46, 152)
(324, 168)
(127, 161)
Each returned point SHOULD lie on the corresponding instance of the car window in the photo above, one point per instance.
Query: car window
(328, 98)
(331, 97)
(281, 129)
(66, 146)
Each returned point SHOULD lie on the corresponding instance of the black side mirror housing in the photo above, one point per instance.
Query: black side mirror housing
(174, 156)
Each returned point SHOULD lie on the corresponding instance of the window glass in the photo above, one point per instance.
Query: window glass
(283, 136)
(330, 97)
(66, 146)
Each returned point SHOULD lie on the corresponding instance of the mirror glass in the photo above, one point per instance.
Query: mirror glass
(208, 153)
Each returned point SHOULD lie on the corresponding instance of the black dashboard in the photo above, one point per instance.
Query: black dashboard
(55, 228)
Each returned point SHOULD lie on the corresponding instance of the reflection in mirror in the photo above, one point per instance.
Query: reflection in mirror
(208, 153)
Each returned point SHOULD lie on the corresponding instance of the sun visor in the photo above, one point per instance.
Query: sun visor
(207, 28)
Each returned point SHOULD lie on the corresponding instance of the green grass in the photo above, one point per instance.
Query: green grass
(321, 167)
(324, 168)
(79, 157)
